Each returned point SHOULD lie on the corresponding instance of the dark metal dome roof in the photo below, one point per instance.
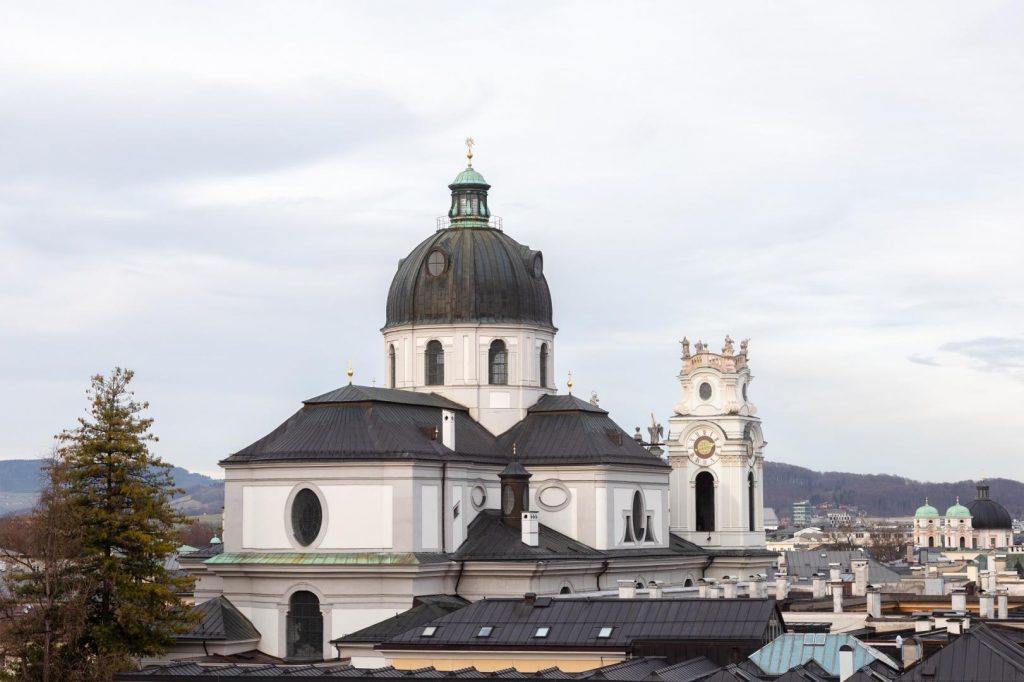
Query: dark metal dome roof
(483, 276)
(987, 514)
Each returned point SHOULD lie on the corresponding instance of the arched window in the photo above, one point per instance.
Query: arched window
(435, 364)
(543, 374)
(638, 517)
(963, 543)
(705, 502)
(391, 365)
(688, 583)
(305, 627)
(565, 590)
(931, 542)
(497, 363)
(750, 501)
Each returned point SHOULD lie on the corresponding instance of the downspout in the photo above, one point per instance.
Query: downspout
(444, 506)
(604, 569)
(704, 571)
(462, 567)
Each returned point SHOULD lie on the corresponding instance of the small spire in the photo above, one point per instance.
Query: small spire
(958, 499)
(350, 372)
(470, 143)
(569, 384)
(926, 499)
(513, 450)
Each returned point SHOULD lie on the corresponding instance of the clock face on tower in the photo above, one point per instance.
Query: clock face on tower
(704, 447)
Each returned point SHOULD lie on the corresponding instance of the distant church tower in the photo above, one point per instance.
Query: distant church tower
(715, 447)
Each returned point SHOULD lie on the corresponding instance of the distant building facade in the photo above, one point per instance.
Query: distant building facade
(982, 524)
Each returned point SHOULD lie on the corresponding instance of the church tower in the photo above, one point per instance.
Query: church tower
(469, 314)
(715, 448)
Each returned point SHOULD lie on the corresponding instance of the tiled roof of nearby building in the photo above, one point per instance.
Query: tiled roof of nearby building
(426, 608)
(817, 561)
(204, 552)
(583, 623)
(219, 620)
(360, 423)
(564, 430)
(791, 650)
(687, 671)
(983, 652)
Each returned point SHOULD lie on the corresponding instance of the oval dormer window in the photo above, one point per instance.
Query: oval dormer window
(435, 263)
(307, 516)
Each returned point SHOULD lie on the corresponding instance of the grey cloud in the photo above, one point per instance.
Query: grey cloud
(926, 360)
(122, 133)
(993, 353)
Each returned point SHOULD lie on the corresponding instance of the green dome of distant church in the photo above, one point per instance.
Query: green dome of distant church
(926, 511)
(958, 511)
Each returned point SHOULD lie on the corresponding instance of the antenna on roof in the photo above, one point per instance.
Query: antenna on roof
(350, 372)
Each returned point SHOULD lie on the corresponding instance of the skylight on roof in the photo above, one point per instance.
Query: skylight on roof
(542, 632)
(485, 631)
(429, 631)
(604, 633)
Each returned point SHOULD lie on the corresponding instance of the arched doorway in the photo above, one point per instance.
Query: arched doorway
(705, 502)
(305, 628)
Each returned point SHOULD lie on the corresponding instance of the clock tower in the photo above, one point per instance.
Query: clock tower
(715, 447)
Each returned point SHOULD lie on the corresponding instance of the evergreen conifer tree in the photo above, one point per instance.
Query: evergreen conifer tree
(120, 493)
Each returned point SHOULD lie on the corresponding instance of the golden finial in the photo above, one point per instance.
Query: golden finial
(513, 450)
(470, 143)
(350, 372)
(568, 384)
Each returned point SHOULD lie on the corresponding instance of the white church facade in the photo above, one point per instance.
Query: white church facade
(469, 474)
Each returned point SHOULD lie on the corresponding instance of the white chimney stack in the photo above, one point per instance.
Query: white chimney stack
(729, 589)
(448, 429)
(1003, 598)
(845, 662)
(837, 597)
(654, 590)
(530, 528)
(781, 585)
(960, 600)
(860, 577)
(627, 589)
(817, 586)
(834, 573)
(986, 605)
(874, 602)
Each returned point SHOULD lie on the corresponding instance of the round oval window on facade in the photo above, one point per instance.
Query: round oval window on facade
(307, 517)
(435, 263)
(478, 496)
(705, 391)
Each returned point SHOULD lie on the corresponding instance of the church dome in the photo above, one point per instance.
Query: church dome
(987, 514)
(958, 511)
(469, 271)
(926, 511)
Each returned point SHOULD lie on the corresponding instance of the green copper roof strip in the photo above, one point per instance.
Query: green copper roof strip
(317, 558)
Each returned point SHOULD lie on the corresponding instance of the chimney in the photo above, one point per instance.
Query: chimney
(837, 597)
(714, 592)
(860, 577)
(911, 558)
(911, 651)
(654, 590)
(530, 528)
(972, 572)
(991, 582)
(817, 586)
(999, 563)
(924, 624)
(845, 662)
(960, 601)
(955, 626)
(702, 588)
(756, 587)
(729, 588)
(530, 598)
(781, 585)
(874, 602)
(986, 603)
(627, 589)
(448, 429)
(834, 573)
(1003, 598)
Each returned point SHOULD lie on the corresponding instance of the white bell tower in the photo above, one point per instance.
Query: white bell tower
(715, 447)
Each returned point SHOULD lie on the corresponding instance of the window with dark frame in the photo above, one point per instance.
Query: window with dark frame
(391, 365)
(304, 628)
(434, 363)
(497, 363)
(543, 365)
(307, 517)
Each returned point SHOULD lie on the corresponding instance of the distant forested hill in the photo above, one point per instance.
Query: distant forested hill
(878, 494)
(21, 480)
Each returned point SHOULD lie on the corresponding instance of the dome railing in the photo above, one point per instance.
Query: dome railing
(444, 222)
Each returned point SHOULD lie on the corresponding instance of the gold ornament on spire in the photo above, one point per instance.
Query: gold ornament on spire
(470, 143)
(568, 384)
(350, 372)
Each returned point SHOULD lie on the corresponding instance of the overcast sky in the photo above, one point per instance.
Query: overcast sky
(216, 195)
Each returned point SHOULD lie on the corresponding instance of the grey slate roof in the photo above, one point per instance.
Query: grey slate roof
(687, 671)
(204, 552)
(805, 563)
(219, 620)
(360, 423)
(981, 653)
(488, 278)
(576, 622)
(564, 430)
(488, 539)
(425, 609)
